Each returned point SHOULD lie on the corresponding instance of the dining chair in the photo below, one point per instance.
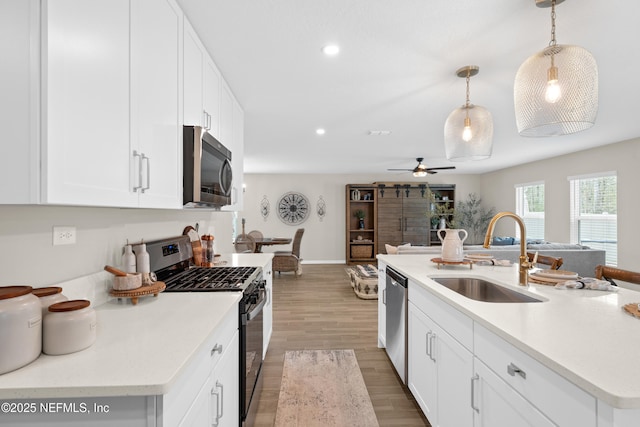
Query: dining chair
(245, 244)
(609, 273)
(289, 260)
(553, 262)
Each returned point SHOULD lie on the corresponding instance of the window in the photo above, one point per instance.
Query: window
(530, 207)
(594, 213)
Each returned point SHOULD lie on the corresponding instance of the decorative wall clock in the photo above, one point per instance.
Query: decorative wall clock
(293, 208)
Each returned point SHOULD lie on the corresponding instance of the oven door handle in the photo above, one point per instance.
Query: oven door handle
(256, 311)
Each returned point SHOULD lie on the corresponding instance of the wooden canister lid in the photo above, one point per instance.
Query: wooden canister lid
(7, 292)
(76, 304)
(45, 292)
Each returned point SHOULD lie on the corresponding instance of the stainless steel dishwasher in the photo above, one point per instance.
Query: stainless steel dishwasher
(396, 321)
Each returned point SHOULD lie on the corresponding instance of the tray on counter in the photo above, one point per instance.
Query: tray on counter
(153, 289)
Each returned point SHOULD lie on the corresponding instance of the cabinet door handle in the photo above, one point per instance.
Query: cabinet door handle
(428, 344)
(221, 405)
(216, 349)
(145, 159)
(139, 174)
(405, 224)
(513, 370)
(399, 224)
(433, 343)
(215, 420)
(384, 296)
(208, 121)
(475, 378)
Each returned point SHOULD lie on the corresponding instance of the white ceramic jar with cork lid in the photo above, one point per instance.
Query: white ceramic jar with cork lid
(20, 327)
(69, 326)
(47, 296)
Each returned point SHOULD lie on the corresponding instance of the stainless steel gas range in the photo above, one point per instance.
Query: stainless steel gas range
(170, 261)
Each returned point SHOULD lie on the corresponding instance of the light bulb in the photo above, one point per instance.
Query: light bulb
(466, 132)
(553, 93)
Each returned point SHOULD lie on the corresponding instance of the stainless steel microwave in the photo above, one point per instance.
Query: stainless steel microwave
(207, 173)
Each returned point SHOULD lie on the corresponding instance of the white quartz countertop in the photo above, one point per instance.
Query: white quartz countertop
(139, 350)
(583, 335)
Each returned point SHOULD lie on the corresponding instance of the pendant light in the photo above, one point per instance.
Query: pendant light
(468, 131)
(556, 89)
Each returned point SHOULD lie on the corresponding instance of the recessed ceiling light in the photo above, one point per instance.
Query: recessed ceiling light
(331, 49)
(320, 131)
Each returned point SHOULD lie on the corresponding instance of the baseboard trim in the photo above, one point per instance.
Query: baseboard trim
(332, 261)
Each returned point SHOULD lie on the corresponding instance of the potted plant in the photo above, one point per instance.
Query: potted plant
(360, 215)
(473, 217)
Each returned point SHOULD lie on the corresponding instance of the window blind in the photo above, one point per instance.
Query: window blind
(530, 207)
(594, 213)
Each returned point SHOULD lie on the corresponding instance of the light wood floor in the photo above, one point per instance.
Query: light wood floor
(319, 310)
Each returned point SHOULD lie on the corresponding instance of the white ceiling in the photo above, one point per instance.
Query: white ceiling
(396, 72)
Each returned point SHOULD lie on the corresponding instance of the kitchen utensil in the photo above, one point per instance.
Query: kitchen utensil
(47, 296)
(68, 327)
(20, 328)
(127, 282)
(115, 271)
(207, 248)
(196, 244)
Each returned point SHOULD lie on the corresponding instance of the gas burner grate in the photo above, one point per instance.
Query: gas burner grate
(210, 279)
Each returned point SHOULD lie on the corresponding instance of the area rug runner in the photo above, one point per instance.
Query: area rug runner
(323, 388)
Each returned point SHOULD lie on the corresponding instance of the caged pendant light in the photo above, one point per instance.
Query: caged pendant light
(468, 131)
(556, 89)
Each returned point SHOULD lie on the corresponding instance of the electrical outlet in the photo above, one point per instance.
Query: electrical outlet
(64, 236)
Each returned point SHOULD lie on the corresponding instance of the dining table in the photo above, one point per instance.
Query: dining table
(270, 241)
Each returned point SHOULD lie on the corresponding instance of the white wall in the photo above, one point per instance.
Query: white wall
(623, 157)
(29, 257)
(323, 241)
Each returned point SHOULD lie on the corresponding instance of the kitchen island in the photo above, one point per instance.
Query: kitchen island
(582, 337)
(147, 366)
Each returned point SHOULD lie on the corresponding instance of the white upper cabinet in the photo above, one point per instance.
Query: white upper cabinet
(85, 103)
(156, 128)
(104, 112)
(94, 98)
(211, 101)
(193, 80)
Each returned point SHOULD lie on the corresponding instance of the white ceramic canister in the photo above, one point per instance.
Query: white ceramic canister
(20, 327)
(47, 296)
(69, 326)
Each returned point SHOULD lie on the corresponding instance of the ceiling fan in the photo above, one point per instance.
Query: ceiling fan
(422, 170)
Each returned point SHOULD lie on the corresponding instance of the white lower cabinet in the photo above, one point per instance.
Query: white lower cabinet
(496, 404)
(440, 369)
(211, 392)
(225, 388)
(462, 374)
(382, 305)
(267, 311)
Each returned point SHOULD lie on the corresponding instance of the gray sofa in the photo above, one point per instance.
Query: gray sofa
(578, 258)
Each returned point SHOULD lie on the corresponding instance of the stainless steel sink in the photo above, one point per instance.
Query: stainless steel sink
(482, 290)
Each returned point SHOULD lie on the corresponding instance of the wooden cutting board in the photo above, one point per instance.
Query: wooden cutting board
(196, 244)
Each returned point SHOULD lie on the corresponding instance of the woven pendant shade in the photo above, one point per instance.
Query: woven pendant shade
(480, 145)
(576, 107)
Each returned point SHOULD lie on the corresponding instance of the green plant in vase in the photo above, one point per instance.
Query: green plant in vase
(360, 215)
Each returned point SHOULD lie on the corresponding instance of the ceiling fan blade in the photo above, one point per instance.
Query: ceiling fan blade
(441, 168)
(403, 170)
